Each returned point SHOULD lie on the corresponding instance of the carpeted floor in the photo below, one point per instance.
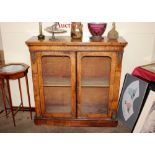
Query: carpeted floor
(25, 125)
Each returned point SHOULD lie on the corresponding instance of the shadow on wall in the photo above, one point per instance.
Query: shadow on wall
(1, 50)
(153, 52)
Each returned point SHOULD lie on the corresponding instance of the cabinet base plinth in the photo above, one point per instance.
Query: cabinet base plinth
(76, 122)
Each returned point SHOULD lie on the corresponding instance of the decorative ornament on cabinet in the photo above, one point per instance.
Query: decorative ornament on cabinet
(76, 30)
(40, 36)
(97, 30)
(54, 29)
(113, 34)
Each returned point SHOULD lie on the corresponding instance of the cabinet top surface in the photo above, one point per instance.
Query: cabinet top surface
(67, 41)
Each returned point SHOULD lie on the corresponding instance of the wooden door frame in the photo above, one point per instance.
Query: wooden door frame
(71, 55)
(80, 55)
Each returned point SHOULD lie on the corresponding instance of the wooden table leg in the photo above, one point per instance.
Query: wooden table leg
(10, 101)
(21, 94)
(4, 96)
(27, 86)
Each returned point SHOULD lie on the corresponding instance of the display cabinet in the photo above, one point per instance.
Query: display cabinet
(76, 83)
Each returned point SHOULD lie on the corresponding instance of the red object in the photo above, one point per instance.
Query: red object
(144, 74)
(97, 29)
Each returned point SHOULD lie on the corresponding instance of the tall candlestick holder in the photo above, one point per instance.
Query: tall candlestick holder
(40, 36)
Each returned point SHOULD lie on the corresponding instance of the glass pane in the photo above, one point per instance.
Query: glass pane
(57, 99)
(95, 84)
(94, 100)
(95, 71)
(12, 68)
(56, 71)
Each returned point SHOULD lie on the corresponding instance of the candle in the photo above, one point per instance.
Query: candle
(40, 28)
(40, 36)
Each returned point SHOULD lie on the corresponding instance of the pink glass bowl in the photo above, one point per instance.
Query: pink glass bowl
(97, 29)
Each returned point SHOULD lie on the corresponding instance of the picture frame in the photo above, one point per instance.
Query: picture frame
(146, 121)
(149, 67)
(76, 30)
(132, 98)
(146, 72)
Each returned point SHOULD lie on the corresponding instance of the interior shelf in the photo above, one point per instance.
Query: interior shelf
(94, 109)
(57, 99)
(95, 82)
(55, 108)
(56, 81)
(94, 100)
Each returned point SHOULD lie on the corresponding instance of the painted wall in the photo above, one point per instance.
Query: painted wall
(140, 49)
(1, 46)
(1, 50)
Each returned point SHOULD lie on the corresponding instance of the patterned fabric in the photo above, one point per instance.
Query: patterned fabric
(144, 74)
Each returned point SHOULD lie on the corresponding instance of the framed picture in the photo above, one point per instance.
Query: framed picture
(131, 100)
(146, 121)
(149, 67)
(146, 72)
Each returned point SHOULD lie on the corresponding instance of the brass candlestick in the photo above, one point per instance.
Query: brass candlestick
(40, 36)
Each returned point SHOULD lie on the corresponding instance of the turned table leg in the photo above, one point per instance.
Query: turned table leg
(10, 101)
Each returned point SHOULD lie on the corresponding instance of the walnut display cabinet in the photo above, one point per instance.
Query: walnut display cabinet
(76, 83)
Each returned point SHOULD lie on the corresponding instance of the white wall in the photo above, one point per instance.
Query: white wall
(1, 45)
(141, 45)
(14, 36)
(139, 51)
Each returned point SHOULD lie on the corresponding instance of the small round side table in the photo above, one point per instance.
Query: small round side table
(14, 71)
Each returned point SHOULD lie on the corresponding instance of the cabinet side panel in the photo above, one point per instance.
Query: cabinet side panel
(35, 75)
(73, 83)
(118, 60)
(112, 90)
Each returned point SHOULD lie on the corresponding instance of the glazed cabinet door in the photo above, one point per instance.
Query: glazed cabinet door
(95, 78)
(57, 84)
